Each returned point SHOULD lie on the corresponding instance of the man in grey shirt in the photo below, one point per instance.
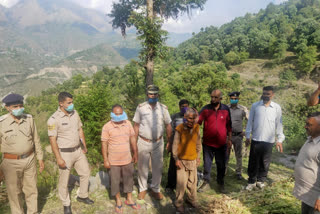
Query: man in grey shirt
(265, 125)
(306, 171)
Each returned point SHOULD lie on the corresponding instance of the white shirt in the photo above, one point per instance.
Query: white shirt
(265, 123)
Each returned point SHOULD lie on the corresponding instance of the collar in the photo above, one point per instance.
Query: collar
(271, 104)
(118, 125)
(212, 107)
(237, 106)
(156, 106)
(11, 120)
(62, 114)
(314, 140)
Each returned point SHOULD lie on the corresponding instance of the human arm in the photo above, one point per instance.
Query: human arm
(136, 130)
(279, 131)
(133, 143)
(55, 149)
(176, 141)
(83, 141)
(249, 126)
(104, 149)
(198, 148)
(229, 130)
(317, 205)
(314, 98)
(169, 134)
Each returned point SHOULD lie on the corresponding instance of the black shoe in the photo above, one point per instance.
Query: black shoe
(85, 200)
(222, 189)
(239, 177)
(67, 209)
(204, 186)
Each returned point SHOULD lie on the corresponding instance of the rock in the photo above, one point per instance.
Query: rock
(103, 179)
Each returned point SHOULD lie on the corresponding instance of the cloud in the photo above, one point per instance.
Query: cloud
(8, 3)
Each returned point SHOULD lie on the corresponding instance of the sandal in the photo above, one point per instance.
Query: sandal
(119, 207)
(134, 206)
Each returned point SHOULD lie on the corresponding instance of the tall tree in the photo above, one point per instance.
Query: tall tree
(147, 16)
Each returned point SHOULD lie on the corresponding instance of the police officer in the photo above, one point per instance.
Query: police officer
(150, 120)
(66, 136)
(238, 114)
(20, 144)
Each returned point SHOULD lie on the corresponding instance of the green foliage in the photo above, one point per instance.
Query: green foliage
(94, 109)
(306, 59)
(234, 58)
(287, 77)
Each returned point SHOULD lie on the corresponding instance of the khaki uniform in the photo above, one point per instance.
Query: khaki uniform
(237, 115)
(20, 175)
(150, 142)
(66, 129)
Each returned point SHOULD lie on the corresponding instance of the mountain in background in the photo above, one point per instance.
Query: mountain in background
(47, 40)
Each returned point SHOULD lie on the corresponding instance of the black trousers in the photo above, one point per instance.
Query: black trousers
(172, 174)
(220, 155)
(306, 209)
(259, 161)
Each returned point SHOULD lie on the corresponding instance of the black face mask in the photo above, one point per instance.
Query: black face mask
(265, 98)
(214, 104)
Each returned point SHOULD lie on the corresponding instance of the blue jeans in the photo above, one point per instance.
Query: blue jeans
(209, 153)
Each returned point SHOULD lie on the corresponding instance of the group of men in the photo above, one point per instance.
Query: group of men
(123, 145)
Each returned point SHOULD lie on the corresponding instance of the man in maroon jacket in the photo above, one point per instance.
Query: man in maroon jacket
(217, 136)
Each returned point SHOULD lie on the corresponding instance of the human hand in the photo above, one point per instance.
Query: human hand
(279, 147)
(317, 205)
(248, 142)
(61, 163)
(41, 166)
(229, 144)
(169, 147)
(106, 164)
(84, 150)
(178, 164)
(135, 158)
(198, 161)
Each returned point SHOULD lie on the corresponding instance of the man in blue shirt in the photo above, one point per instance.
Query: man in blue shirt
(265, 125)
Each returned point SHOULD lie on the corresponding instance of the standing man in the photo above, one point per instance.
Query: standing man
(306, 170)
(177, 119)
(66, 136)
(150, 121)
(118, 140)
(265, 125)
(20, 144)
(314, 98)
(238, 113)
(216, 138)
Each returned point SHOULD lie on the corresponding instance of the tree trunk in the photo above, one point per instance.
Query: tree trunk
(150, 58)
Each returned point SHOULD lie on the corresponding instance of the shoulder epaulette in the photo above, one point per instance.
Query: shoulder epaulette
(164, 106)
(143, 104)
(3, 117)
(28, 115)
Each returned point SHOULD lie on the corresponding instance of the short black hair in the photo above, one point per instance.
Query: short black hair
(63, 95)
(183, 101)
(268, 88)
(116, 106)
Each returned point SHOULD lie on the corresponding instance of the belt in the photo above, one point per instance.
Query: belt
(150, 141)
(17, 157)
(69, 149)
(236, 133)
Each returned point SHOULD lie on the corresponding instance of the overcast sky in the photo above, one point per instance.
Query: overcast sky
(216, 12)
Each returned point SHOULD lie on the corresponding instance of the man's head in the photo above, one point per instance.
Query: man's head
(183, 104)
(234, 97)
(267, 93)
(216, 97)
(189, 117)
(118, 115)
(153, 94)
(313, 124)
(66, 101)
(14, 104)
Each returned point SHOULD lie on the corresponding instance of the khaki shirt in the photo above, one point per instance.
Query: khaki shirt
(152, 121)
(19, 138)
(238, 113)
(66, 128)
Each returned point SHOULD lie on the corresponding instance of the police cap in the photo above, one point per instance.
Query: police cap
(234, 94)
(13, 99)
(152, 89)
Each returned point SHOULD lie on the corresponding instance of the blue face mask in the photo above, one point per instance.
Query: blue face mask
(17, 112)
(153, 100)
(234, 101)
(118, 118)
(70, 108)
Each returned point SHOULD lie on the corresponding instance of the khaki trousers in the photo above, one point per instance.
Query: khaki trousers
(237, 145)
(147, 150)
(79, 161)
(186, 182)
(21, 177)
